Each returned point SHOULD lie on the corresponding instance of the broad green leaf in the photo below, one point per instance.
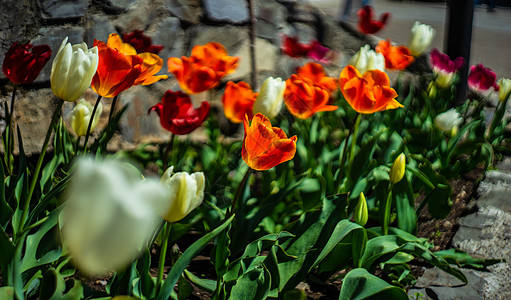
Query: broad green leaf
(360, 284)
(185, 259)
(53, 287)
(206, 284)
(403, 197)
(465, 260)
(7, 292)
(255, 284)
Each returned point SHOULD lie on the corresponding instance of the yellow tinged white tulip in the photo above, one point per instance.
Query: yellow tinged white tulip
(270, 98)
(421, 38)
(80, 117)
(72, 70)
(504, 88)
(366, 59)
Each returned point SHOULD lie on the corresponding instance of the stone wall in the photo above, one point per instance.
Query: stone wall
(178, 25)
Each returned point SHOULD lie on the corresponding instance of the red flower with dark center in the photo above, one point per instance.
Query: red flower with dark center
(141, 42)
(24, 62)
(366, 24)
(177, 113)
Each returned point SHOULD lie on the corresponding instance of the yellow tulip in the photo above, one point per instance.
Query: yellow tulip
(270, 98)
(361, 214)
(186, 192)
(80, 117)
(397, 171)
(72, 70)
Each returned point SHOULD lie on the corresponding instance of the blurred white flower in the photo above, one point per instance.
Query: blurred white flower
(270, 98)
(366, 59)
(504, 88)
(448, 121)
(110, 215)
(421, 38)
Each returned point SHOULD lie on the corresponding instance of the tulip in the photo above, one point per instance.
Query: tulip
(361, 214)
(444, 68)
(116, 72)
(270, 98)
(366, 24)
(481, 79)
(397, 171)
(265, 146)
(186, 193)
(72, 70)
(292, 47)
(110, 215)
(504, 88)
(421, 37)
(204, 69)
(448, 121)
(141, 42)
(396, 57)
(309, 91)
(81, 114)
(368, 93)
(366, 59)
(319, 52)
(177, 113)
(151, 65)
(238, 100)
(23, 62)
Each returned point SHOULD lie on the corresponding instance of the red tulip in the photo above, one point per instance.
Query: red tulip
(292, 47)
(366, 24)
(22, 66)
(141, 42)
(481, 79)
(177, 113)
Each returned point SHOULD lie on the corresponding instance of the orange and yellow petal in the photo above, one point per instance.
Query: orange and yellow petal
(238, 100)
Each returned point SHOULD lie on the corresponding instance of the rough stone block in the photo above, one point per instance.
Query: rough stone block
(189, 11)
(63, 9)
(168, 33)
(232, 37)
(53, 36)
(99, 28)
(227, 11)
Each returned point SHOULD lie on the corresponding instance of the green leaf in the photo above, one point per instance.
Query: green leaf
(465, 260)
(7, 250)
(185, 259)
(5, 210)
(360, 284)
(403, 197)
(53, 287)
(7, 292)
(254, 284)
(206, 284)
(439, 201)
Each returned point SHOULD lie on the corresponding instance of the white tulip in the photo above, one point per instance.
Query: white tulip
(366, 59)
(72, 70)
(270, 98)
(448, 121)
(421, 37)
(186, 192)
(504, 88)
(110, 215)
(80, 117)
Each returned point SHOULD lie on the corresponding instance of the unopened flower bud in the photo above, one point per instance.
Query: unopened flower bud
(397, 172)
(361, 215)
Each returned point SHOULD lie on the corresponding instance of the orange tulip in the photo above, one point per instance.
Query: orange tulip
(116, 72)
(396, 57)
(367, 93)
(265, 146)
(308, 91)
(152, 62)
(238, 100)
(203, 69)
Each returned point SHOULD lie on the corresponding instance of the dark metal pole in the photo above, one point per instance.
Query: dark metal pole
(460, 15)
(253, 20)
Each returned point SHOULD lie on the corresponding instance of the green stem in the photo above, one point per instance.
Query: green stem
(112, 109)
(344, 152)
(386, 212)
(168, 150)
(35, 175)
(163, 254)
(238, 193)
(90, 124)
(10, 139)
(354, 139)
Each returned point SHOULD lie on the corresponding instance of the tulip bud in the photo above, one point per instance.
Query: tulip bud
(366, 59)
(80, 117)
(421, 37)
(186, 192)
(397, 171)
(448, 121)
(361, 214)
(432, 90)
(270, 98)
(504, 88)
(110, 215)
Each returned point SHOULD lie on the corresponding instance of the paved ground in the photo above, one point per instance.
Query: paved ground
(491, 38)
